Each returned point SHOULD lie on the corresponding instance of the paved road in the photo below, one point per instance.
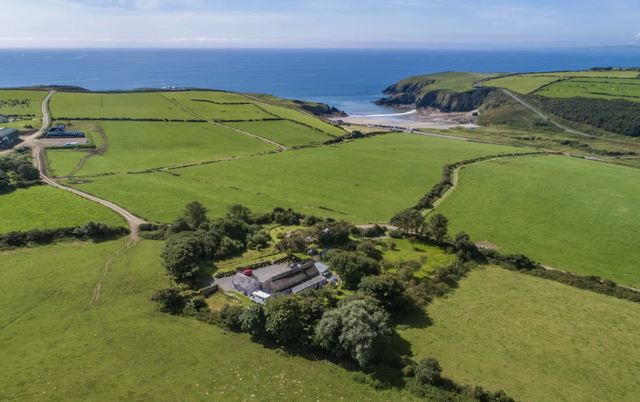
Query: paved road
(46, 120)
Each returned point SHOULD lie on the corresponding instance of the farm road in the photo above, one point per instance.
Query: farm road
(38, 158)
(523, 103)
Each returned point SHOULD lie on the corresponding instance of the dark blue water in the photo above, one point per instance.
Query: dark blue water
(347, 79)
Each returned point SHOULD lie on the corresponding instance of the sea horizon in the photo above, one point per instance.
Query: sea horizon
(349, 79)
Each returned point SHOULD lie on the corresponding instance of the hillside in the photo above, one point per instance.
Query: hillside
(450, 91)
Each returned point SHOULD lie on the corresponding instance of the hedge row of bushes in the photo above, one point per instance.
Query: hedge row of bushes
(91, 230)
(221, 103)
(353, 136)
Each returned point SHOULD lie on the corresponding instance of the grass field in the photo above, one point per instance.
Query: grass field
(591, 74)
(108, 106)
(363, 181)
(588, 89)
(520, 83)
(455, 81)
(19, 125)
(212, 111)
(568, 213)
(538, 340)
(623, 81)
(214, 96)
(60, 163)
(137, 146)
(123, 349)
(21, 103)
(284, 132)
(300, 117)
(46, 207)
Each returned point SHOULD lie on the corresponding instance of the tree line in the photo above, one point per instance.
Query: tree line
(95, 231)
(17, 171)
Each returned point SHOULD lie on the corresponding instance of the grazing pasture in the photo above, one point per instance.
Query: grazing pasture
(21, 103)
(538, 340)
(214, 96)
(123, 348)
(43, 207)
(587, 89)
(213, 111)
(300, 117)
(61, 162)
(138, 146)
(112, 106)
(284, 132)
(572, 214)
(365, 181)
(523, 84)
(592, 74)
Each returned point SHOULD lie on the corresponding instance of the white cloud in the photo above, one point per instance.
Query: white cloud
(638, 35)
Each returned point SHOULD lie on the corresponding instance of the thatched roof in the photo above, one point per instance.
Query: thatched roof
(291, 278)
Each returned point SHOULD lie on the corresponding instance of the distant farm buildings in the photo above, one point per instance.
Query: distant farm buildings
(8, 137)
(61, 132)
(4, 119)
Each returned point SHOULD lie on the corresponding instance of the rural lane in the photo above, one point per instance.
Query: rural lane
(38, 158)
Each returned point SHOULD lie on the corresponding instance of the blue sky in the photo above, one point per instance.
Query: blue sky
(319, 23)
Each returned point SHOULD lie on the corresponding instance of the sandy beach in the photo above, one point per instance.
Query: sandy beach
(423, 118)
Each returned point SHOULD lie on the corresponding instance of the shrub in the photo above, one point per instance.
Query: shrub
(428, 371)
(230, 317)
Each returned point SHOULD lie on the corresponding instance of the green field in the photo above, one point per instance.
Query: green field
(592, 74)
(109, 106)
(588, 89)
(520, 83)
(212, 111)
(538, 340)
(214, 96)
(455, 81)
(62, 162)
(435, 256)
(138, 146)
(628, 81)
(284, 132)
(123, 349)
(363, 181)
(568, 213)
(21, 103)
(43, 207)
(19, 125)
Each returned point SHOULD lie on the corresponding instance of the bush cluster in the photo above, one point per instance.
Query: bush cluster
(91, 230)
(17, 171)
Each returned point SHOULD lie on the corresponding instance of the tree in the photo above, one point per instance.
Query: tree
(290, 320)
(253, 320)
(230, 317)
(239, 211)
(368, 248)
(179, 225)
(171, 300)
(437, 228)
(353, 266)
(28, 172)
(429, 371)
(462, 241)
(388, 290)
(409, 220)
(195, 213)
(294, 243)
(357, 329)
(4, 180)
(182, 254)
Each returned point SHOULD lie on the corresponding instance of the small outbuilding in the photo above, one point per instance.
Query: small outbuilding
(8, 137)
(4, 119)
(323, 269)
(312, 284)
(245, 284)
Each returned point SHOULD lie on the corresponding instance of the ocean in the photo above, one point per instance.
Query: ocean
(347, 79)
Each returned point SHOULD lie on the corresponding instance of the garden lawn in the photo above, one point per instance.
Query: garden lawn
(520, 83)
(138, 146)
(64, 105)
(538, 340)
(364, 181)
(21, 103)
(122, 348)
(435, 256)
(285, 132)
(572, 214)
(43, 207)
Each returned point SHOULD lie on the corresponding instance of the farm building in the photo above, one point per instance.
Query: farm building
(8, 137)
(3, 119)
(245, 284)
(299, 277)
